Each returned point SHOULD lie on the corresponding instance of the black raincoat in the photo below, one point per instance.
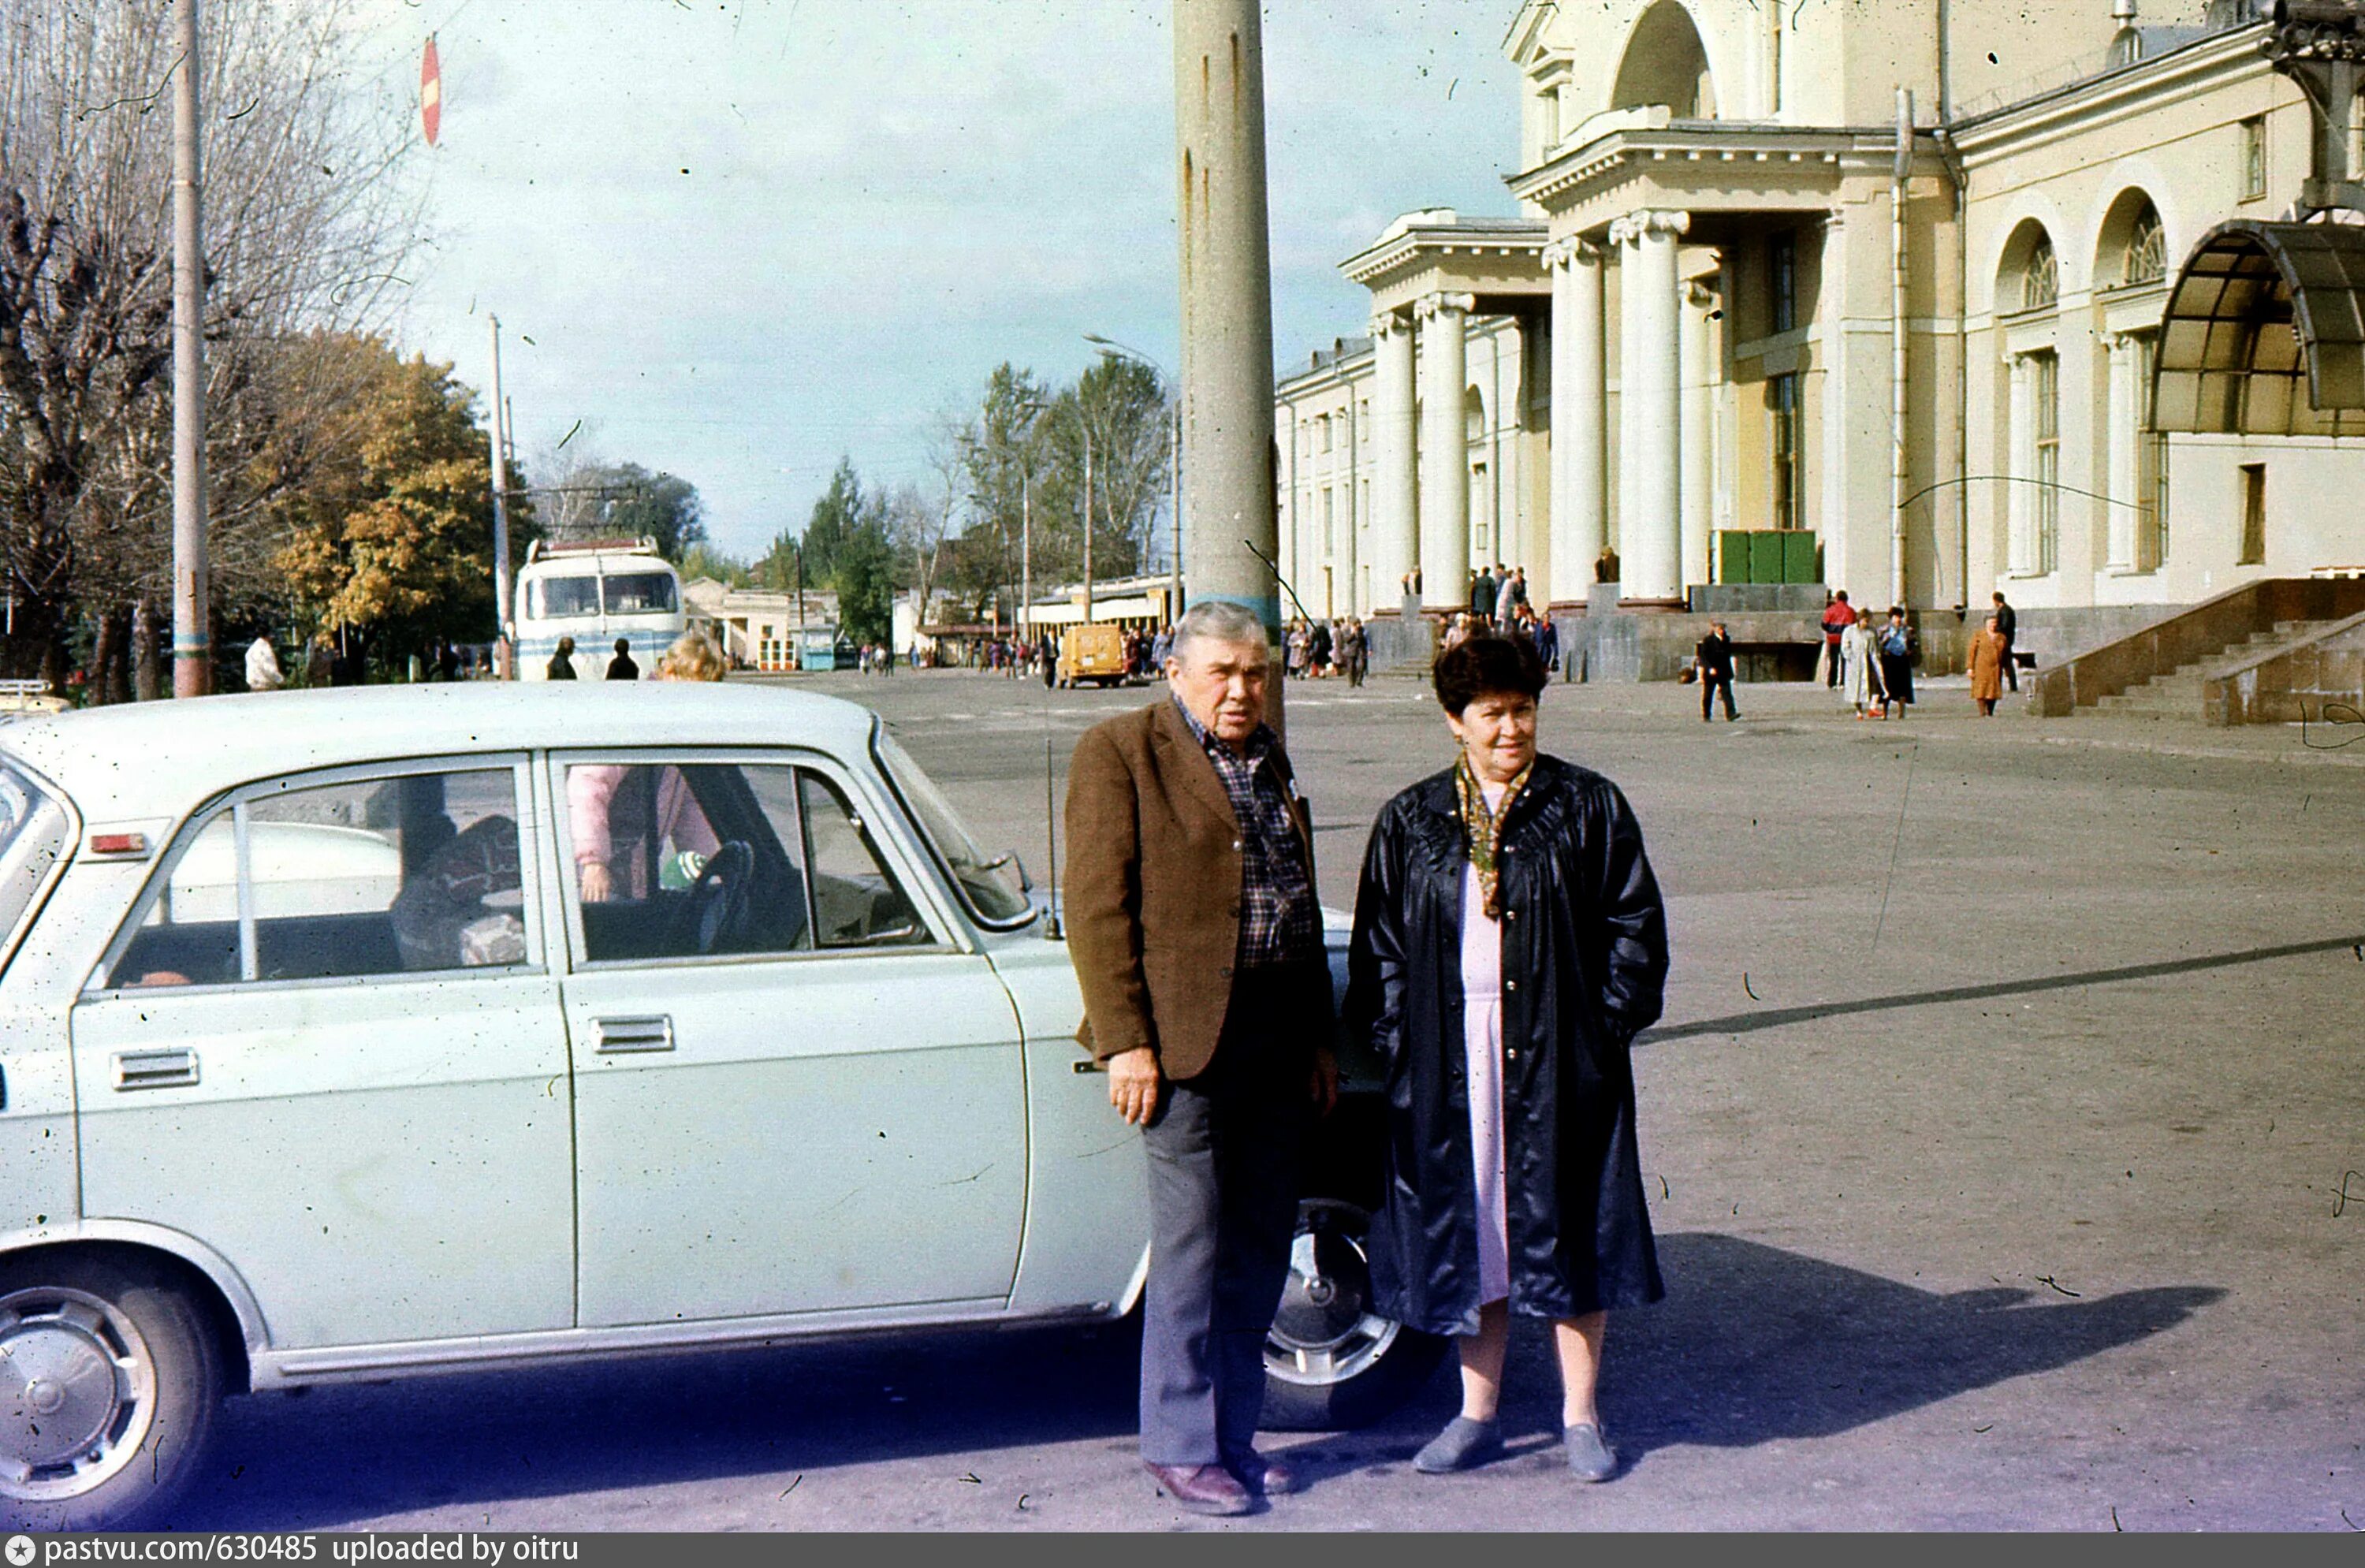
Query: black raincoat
(1585, 963)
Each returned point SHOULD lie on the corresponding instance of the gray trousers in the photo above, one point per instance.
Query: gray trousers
(1224, 1152)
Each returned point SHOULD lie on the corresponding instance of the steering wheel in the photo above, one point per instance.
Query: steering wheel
(716, 905)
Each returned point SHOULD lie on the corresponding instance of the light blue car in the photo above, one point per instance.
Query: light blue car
(355, 1034)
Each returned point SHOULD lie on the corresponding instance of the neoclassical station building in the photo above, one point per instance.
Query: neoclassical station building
(1889, 272)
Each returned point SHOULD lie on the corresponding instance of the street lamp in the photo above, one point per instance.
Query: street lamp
(1111, 349)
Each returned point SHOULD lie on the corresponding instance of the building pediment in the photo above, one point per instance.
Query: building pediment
(1497, 259)
(1707, 167)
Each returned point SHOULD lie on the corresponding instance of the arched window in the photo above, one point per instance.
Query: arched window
(1665, 63)
(2146, 259)
(2040, 276)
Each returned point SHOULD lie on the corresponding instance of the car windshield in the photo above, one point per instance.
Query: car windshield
(640, 593)
(32, 836)
(555, 599)
(990, 887)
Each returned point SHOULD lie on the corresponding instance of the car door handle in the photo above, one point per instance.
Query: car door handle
(154, 1070)
(622, 1036)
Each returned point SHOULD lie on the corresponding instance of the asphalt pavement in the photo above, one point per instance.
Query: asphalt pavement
(2005, 1137)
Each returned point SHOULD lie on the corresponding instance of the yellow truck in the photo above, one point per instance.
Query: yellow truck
(1091, 653)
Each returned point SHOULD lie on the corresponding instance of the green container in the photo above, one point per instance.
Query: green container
(1766, 557)
(1731, 555)
(1799, 557)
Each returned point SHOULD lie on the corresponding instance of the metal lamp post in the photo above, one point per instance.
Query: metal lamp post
(1111, 349)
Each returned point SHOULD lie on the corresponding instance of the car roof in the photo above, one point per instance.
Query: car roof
(151, 759)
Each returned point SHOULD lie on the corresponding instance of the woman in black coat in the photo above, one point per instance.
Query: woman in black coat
(1510, 943)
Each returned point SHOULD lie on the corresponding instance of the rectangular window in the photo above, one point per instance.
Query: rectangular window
(1782, 280)
(2046, 408)
(1782, 398)
(2254, 514)
(1329, 522)
(709, 859)
(412, 874)
(2254, 158)
(1326, 432)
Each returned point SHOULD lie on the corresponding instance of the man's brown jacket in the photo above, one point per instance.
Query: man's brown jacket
(1152, 893)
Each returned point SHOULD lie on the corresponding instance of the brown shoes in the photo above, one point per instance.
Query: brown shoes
(1204, 1489)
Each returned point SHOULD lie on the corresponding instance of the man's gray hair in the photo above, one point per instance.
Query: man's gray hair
(1218, 620)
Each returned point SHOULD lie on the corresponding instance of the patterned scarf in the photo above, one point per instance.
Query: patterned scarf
(1482, 829)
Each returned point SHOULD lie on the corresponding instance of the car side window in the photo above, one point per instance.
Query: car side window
(395, 874)
(856, 902)
(701, 859)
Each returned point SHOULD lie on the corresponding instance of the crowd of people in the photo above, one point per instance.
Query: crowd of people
(1499, 606)
(1317, 650)
(1873, 661)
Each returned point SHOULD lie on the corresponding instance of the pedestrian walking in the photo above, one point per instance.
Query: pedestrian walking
(263, 672)
(1482, 596)
(623, 667)
(1509, 943)
(1988, 656)
(1197, 942)
(1838, 616)
(1515, 588)
(1358, 652)
(1858, 658)
(2007, 625)
(1713, 659)
(1896, 643)
(1548, 643)
(1318, 649)
(561, 661)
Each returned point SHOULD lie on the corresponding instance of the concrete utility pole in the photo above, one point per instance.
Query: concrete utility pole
(504, 652)
(1226, 307)
(192, 607)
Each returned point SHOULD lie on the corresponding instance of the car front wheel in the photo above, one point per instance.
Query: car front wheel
(108, 1381)
(1330, 1361)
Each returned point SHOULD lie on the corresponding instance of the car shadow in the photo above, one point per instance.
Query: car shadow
(345, 1453)
(1753, 1344)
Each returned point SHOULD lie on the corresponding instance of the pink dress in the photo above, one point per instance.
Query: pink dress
(1482, 1044)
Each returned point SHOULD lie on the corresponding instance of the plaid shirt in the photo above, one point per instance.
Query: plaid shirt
(1279, 920)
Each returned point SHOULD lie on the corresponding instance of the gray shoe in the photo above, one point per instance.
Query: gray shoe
(1589, 1458)
(1463, 1443)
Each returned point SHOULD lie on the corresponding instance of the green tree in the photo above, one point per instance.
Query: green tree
(390, 538)
(624, 501)
(703, 560)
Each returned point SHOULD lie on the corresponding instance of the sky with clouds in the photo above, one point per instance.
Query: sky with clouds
(744, 237)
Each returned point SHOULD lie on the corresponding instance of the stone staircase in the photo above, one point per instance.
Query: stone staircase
(2176, 694)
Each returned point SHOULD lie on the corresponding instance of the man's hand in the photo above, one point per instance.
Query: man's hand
(1134, 1081)
(596, 884)
(1326, 1079)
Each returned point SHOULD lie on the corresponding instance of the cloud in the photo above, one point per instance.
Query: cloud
(882, 201)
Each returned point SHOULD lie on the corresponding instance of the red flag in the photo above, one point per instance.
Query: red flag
(431, 92)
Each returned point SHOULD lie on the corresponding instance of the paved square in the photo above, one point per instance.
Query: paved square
(1996, 1136)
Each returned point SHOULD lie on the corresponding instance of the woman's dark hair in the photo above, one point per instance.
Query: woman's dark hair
(1489, 664)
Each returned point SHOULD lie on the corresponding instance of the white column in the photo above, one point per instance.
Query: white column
(1394, 456)
(1650, 471)
(1845, 566)
(1347, 473)
(2019, 509)
(1580, 401)
(2124, 402)
(1699, 433)
(1292, 517)
(1444, 448)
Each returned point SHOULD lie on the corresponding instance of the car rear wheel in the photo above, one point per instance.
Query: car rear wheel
(1330, 1359)
(108, 1381)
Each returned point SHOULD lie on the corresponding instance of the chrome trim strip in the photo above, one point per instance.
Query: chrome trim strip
(274, 1368)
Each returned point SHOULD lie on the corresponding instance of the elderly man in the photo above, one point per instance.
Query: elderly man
(1196, 934)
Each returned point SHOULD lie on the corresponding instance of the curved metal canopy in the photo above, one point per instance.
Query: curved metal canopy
(2258, 308)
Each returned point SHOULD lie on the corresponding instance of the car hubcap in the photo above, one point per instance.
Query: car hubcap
(1325, 1331)
(77, 1392)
